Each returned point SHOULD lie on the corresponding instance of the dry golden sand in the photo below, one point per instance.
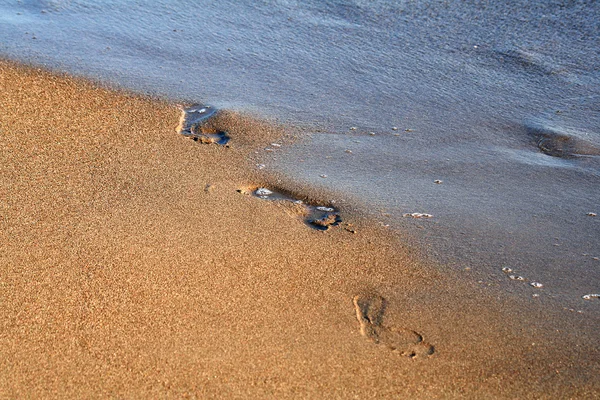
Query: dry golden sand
(121, 276)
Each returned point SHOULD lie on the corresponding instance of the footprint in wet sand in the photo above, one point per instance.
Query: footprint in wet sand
(320, 218)
(561, 142)
(193, 124)
(520, 60)
(369, 312)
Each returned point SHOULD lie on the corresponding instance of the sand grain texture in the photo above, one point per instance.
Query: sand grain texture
(121, 276)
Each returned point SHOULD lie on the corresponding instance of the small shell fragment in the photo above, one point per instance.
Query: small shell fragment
(591, 296)
(536, 284)
(507, 269)
(438, 181)
(516, 277)
(323, 176)
(260, 166)
(417, 215)
(275, 145)
(394, 128)
(591, 214)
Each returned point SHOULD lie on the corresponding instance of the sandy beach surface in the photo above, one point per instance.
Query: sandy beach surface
(134, 264)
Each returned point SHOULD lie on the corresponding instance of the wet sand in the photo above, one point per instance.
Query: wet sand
(132, 266)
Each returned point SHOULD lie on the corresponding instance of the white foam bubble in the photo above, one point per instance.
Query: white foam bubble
(263, 192)
(591, 296)
(326, 209)
(417, 215)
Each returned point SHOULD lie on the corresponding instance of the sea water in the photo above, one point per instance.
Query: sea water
(484, 116)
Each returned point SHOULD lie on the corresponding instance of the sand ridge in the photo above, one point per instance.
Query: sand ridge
(123, 276)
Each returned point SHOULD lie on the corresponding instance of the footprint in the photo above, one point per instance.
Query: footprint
(317, 217)
(369, 312)
(556, 141)
(193, 124)
(519, 60)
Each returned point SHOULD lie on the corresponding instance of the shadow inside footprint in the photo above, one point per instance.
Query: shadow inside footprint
(369, 312)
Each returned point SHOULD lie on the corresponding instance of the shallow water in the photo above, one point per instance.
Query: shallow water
(500, 102)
